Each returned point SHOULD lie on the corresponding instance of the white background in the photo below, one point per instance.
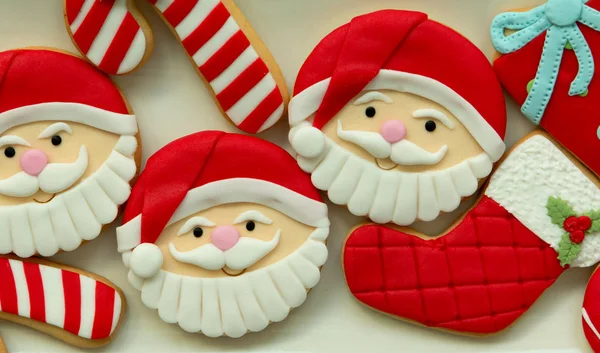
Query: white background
(171, 101)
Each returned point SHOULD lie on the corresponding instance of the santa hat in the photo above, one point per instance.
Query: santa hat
(47, 85)
(211, 168)
(406, 52)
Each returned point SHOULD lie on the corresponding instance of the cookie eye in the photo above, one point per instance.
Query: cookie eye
(250, 226)
(198, 232)
(10, 152)
(56, 140)
(370, 112)
(430, 126)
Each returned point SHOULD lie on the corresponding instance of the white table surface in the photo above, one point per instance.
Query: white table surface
(171, 101)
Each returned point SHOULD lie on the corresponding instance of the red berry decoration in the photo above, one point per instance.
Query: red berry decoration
(572, 224)
(577, 236)
(584, 223)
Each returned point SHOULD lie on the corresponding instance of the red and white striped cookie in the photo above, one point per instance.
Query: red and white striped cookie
(248, 86)
(111, 34)
(79, 308)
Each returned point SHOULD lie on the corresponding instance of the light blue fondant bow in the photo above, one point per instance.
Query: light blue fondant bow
(559, 18)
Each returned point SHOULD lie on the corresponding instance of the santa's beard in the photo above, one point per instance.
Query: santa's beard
(72, 216)
(392, 196)
(233, 306)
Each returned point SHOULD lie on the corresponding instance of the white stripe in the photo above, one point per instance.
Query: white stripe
(251, 100)
(162, 5)
(21, 287)
(193, 19)
(54, 296)
(85, 9)
(107, 32)
(216, 42)
(88, 306)
(135, 53)
(273, 119)
(588, 321)
(247, 58)
(116, 312)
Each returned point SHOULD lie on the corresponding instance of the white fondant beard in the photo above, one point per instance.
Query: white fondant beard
(245, 253)
(72, 216)
(55, 177)
(233, 306)
(402, 152)
(392, 196)
(535, 171)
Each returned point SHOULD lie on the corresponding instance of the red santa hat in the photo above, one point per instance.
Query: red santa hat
(406, 52)
(211, 168)
(47, 85)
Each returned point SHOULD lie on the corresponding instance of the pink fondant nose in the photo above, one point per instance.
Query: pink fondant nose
(225, 237)
(33, 162)
(393, 131)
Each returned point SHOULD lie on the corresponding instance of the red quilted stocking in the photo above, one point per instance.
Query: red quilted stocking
(479, 278)
(591, 312)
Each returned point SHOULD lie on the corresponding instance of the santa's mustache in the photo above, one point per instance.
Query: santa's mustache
(245, 253)
(402, 152)
(55, 177)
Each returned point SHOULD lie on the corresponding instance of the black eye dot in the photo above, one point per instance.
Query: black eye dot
(198, 232)
(370, 112)
(10, 152)
(250, 226)
(430, 126)
(56, 140)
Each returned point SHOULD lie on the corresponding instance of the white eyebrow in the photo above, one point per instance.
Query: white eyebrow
(434, 114)
(195, 222)
(54, 129)
(252, 216)
(13, 140)
(373, 96)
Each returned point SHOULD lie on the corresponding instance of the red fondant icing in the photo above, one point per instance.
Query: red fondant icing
(479, 278)
(573, 121)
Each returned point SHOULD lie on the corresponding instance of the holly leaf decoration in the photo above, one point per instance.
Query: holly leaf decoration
(559, 210)
(595, 217)
(567, 250)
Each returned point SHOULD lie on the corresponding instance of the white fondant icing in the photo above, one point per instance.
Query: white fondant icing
(382, 210)
(13, 140)
(233, 324)
(247, 58)
(88, 306)
(535, 171)
(64, 229)
(191, 300)
(194, 222)
(216, 42)
(54, 295)
(308, 141)
(55, 129)
(22, 292)
(152, 289)
(5, 233)
(252, 215)
(126, 145)
(168, 304)
(103, 207)
(134, 54)
(57, 177)
(250, 101)
(253, 315)
(273, 118)
(372, 97)
(194, 18)
(107, 32)
(83, 12)
(435, 114)
(291, 289)
(20, 229)
(146, 260)
(42, 230)
(211, 313)
(116, 313)
(83, 218)
(19, 185)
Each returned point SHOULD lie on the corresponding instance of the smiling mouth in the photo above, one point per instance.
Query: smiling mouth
(45, 201)
(232, 273)
(385, 164)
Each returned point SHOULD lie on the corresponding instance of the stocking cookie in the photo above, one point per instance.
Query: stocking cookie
(397, 116)
(68, 143)
(79, 308)
(223, 234)
(539, 214)
(243, 76)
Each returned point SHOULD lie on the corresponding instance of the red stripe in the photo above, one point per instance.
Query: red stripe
(120, 45)
(36, 291)
(225, 56)
(72, 291)
(105, 307)
(206, 30)
(91, 25)
(242, 84)
(265, 109)
(178, 10)
(8, 290)
(72, 8)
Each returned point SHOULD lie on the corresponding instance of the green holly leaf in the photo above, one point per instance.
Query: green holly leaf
(595, 217)
(559, 210)
(567, 250)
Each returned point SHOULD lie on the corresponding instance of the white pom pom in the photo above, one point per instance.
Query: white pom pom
(146, 260)
(308, 141)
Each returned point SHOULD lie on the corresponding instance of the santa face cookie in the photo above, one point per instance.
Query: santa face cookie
(390, 123)
(239, 70)
(68, 145)
(223, 234)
